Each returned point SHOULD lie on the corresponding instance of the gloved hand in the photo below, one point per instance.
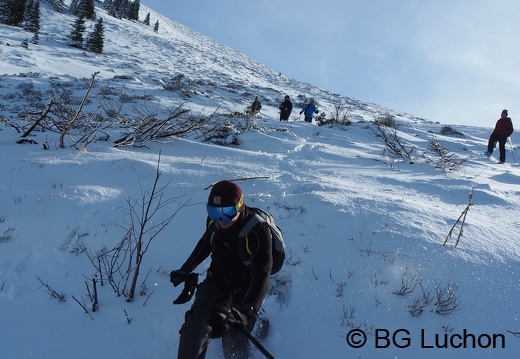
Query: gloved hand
(177, 277)
(190, 284)
(242, 313)
(219, 322)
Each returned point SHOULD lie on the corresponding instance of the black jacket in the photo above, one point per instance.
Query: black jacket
(285, 109)
(228, 254)
(256, 106)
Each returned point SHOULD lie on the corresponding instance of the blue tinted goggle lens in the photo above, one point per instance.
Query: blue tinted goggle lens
(223, 214)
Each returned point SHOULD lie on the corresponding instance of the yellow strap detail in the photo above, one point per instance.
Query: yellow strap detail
(248, 250)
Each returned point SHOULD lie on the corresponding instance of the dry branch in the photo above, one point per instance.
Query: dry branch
(52, 292)
(386, 129)
(66, 130)
(82, 306)
(462, 220)
(37, 122)
(238, 179)
(142, 214)
(446, 299)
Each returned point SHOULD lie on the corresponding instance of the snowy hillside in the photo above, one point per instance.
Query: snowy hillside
(142, 61)
(364, 231)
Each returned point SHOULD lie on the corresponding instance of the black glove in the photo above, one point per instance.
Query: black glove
(190, 284)
(241, 314)
(177, 277)
(219, 322)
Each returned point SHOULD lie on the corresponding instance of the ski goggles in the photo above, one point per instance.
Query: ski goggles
(224, 214)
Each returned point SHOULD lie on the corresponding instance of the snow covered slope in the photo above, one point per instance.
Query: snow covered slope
(361, 230)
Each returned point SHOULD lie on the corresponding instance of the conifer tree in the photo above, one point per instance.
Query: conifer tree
(133, 10)
(125, 9)
(36, 16)
(156, 26)
(88, 9)
(3, 13)
(28, 5)
(95, 39)
(12, 12)
(27, 14)
(115, 8)
(147, 19)
(58, 5)
(84, 8)
(36, 38)
(32, 18)
(73, 7)
(76, 35)
(109, 6)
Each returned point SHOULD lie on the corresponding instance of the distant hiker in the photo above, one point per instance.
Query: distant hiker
(309, 110)
(285, 109)
(503, 129)
(234, 288)
(255, 107)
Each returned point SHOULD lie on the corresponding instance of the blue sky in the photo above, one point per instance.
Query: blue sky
(454, 62)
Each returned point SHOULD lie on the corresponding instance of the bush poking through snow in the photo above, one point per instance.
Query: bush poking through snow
(441, 157)
(386, 129)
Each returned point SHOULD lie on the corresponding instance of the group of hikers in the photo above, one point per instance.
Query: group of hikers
(240, 244)
(286, 107)
(503, 128)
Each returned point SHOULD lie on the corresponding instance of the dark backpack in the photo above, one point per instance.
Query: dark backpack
(278, 244)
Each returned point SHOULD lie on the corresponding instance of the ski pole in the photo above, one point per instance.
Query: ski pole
(512, 148)
(242, 327)
(256, 342)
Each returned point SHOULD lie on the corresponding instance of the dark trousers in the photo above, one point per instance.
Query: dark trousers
(195, 332)
(308, 118)
(493, 139)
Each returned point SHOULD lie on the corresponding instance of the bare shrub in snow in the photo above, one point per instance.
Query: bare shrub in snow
(386, 129)
(446, 298)
(441, 157)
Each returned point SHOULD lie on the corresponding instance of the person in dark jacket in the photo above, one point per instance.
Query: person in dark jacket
(255, 107)
(309, 110)
(285, 109)
(236, 283)
(503, 129)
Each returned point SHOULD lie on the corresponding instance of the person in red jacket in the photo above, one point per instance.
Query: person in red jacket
(503, 129)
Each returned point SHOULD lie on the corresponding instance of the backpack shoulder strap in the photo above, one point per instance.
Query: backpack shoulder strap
(253, 221)
(212, 228)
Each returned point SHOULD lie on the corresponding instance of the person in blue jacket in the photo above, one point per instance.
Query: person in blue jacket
(309, 110)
